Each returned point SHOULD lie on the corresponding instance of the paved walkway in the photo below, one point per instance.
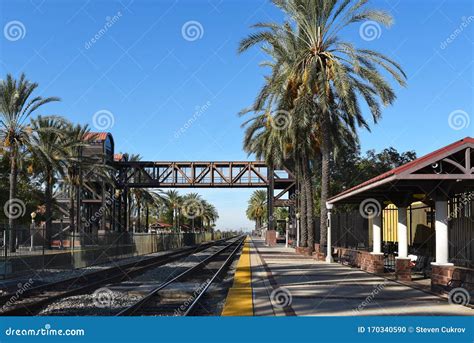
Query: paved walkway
(285, 283)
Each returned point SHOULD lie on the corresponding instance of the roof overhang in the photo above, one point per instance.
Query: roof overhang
(448, 170)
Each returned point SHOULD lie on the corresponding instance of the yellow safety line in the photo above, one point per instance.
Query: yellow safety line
(239, 300)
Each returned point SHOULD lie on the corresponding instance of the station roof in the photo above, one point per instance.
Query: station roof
(448, 169)
(97, 136)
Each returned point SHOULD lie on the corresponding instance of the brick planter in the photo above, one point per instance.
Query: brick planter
(317, 254)
(270, 238)
(403, 269)
(440, 276)
(372, 263)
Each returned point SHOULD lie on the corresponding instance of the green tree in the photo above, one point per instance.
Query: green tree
(16, 105)
(257, 208)
(46, 145)
(333, 73)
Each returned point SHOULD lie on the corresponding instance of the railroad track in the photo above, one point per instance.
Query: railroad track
(192, 287)
(32, 300)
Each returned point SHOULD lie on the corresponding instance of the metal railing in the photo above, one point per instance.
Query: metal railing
(32, 252)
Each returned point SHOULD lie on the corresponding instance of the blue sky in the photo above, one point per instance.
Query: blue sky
(150, 75)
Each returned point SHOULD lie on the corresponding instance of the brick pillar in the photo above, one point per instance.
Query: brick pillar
(376, 264)
(440, 276)
(270, 238)
(403, 269)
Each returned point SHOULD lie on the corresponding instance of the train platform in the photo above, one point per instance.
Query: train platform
(275, 281)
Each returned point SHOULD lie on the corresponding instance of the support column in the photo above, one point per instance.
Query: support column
(375, 260)
(329, 258)
(377, 233)
(402, 233)
(441, 271)
(270, 195)
(297, 230)
(441, 229)
(402, 263)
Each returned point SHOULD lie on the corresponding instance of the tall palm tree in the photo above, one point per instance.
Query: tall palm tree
(209, 214)
(16, 106)
(257, 208)
(172, 200)
(333, 73)
(46, 145)
(194, 202)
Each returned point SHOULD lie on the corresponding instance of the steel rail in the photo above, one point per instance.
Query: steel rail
(228, 261)
(137, 305)
(119, 273)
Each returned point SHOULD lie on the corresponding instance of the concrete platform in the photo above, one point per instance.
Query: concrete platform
(284, 283)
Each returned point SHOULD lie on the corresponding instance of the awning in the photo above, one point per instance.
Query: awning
(446, 172)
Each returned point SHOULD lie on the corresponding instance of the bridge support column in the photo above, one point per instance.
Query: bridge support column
(270, 195)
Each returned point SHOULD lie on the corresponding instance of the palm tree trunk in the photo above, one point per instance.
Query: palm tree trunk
(13, 181)
(139, 213)
(325, 156)
(302, 206)
(309, 201)
(48, 195)
(71, 209)
(147, 220)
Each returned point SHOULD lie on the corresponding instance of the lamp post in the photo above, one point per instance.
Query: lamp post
(286, 234)
(32, 230)
(297, 229)
(329, 245)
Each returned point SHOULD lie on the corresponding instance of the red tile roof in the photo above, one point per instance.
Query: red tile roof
(118, 157)
(409, 165)
(97, 136)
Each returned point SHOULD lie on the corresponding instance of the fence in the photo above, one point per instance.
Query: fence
(79, 250)
(461, 230)
(351, 230)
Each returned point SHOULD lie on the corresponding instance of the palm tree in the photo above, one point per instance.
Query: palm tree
(333, 73)
(193, 202)
(46, 145)
(140, 197)
(209, 214)
(16, 105)
(257, 207)
(172, 200)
